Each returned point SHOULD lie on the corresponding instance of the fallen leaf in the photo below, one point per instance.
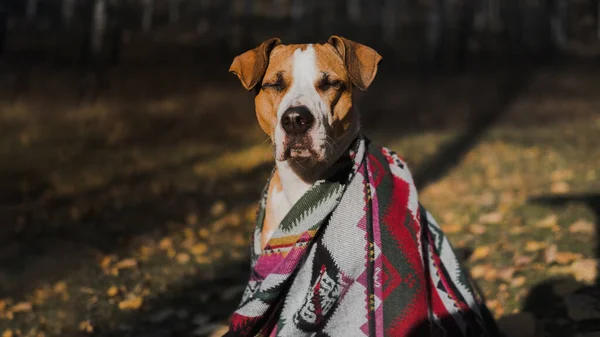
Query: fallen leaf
(522, 260)
(491, 218)
(582, 226)
(479, 270)
(220, 331)
(506, 273)
(165, 243)
(585, 270)
(480, 253)
(199, 249)
(559, 187)
(21, 307)
(203, 233)
(112, 291)
(7, 333)
(182, 258)
(217, 208)
(567, 257)
(131, 303)
(191, 219)
(518, 281)
(451, 228)
(60, 287)
(477, 229)
(532, 246)
(86, 327)
(550, 254)
(126, 264)
(551, 221)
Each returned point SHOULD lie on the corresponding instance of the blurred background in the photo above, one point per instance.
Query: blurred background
(131, 161)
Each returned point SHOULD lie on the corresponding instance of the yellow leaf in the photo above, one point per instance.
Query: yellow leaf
(477, 229)
(131, 303)
(551, 221)
(191, 219)
(480, 253)
(567, 257)
(203, 233)
(559, 187)
(21, 307)
(582, 226)
(585, 270)
(126, 264)
(452, 228)
(7, 333)
(86, 327)
(60, 287)
(165, 243)
(182, 258)
(532, 246)
(479, 270)
(112, 291)
(518, 281)
(491, 218)
(199, 249)
(217, 208)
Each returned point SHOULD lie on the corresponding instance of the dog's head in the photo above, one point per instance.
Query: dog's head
(304, 94)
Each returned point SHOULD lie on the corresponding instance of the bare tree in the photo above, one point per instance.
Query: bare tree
(388, 20)
(598, 19)
(98, 27)
(67, 11)
(435, 39)
(31, 9)
(354, 9)
(174, 10)
(558, 15)
(3, 24)
(147, 15)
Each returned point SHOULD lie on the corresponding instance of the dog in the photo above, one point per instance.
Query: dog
(342, 246)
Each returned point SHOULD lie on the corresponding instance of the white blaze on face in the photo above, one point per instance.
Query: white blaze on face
(303, 93)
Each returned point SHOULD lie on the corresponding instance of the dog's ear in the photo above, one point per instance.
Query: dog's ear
(251, 66)
(360, 60)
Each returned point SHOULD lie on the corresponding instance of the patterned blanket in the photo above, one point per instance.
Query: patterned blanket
(358, 255)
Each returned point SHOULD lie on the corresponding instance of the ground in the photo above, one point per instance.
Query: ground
(130, 215)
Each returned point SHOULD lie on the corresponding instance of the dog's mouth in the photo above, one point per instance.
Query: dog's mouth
(300, 150)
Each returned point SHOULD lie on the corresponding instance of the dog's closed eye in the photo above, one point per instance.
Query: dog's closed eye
(277, 84)
(328, 83)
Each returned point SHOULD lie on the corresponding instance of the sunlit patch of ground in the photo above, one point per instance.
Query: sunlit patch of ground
(132, 217)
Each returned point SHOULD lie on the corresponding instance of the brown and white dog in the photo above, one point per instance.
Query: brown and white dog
(304, 103)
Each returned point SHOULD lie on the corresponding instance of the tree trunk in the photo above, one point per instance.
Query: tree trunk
(558, 23)
(3, 25)
(598, 19)
(388, 20)
(465, 30)
(297, 11)
(354, 10)
(98, 28)
(31, 9)
(147, 15)
(67, 11)
(435, 38)
(174, 10)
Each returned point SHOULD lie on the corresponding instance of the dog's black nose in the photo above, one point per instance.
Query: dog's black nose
(296, 120)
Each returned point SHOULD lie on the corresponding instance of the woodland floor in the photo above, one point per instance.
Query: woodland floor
(130, 216)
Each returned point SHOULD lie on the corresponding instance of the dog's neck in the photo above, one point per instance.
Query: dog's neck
(296, 177)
